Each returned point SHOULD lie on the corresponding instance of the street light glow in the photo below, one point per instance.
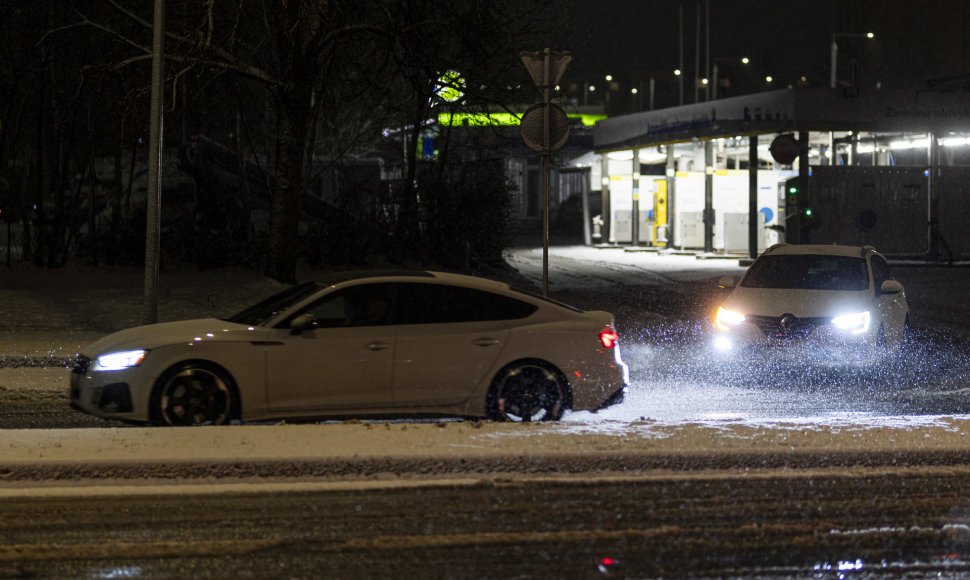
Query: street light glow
(834, 51)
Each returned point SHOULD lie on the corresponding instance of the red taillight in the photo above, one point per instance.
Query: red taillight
(608, 337)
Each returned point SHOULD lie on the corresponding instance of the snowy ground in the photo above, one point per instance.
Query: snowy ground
(49, 314)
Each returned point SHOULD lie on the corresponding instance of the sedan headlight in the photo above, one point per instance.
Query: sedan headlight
(115, 361)
(855, 323)
(725, 319)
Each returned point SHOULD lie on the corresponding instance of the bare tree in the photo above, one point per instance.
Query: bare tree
(333, 72)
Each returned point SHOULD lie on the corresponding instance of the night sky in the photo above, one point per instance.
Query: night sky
(635, 40)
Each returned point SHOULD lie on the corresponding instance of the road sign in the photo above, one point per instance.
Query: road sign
(784, 149)
(545, 128)
(533, 127)
(534, 61)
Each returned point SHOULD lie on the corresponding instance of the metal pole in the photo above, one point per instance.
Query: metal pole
(697, 53)
(833, 63)
(753, 197)
(708, 196)
(680, 62)
(933, 194)
(153, 208)
(635, 211)
(803, 181)
(671, 173)
(714, 79)
(606, 230)
(707, 45)
(546, 132)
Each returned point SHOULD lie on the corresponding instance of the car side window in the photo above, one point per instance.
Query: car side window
(363, 305)
(439, 303)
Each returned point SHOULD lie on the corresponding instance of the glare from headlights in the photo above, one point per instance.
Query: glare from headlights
(725, 319)
(855, 323)
(115, 361)
(723, 344)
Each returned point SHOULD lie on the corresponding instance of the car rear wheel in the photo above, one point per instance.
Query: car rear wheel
(195, 393)
(527, 391)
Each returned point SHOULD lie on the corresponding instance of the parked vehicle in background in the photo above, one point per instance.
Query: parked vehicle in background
(361, 344)
(819, 303)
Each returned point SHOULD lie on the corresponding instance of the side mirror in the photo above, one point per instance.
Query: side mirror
(726, 282)
(303, 322)
(891, 287)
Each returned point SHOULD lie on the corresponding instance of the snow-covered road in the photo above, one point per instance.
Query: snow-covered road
(677, 401)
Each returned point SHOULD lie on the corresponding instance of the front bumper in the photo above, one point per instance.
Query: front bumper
(824, 347)
(107, 394)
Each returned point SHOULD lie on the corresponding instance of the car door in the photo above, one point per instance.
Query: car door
(343, 360)
(449, 337)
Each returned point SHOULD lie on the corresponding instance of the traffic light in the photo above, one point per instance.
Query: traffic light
(809, 218)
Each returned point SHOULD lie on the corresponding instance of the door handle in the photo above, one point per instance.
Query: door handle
(375, 346)
(485, 341)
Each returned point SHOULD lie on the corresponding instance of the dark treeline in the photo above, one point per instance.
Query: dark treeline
(292, 129)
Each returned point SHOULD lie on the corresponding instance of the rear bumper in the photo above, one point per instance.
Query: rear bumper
(615, 399)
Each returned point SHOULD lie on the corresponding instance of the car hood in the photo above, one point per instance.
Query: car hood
(152, 336)
(801, 303)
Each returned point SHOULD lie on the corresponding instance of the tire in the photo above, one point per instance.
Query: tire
(528, 391)
(194, 393)
(906, 343)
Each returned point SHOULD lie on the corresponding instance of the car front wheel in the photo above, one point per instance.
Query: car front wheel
(527, 391)
(194, 393)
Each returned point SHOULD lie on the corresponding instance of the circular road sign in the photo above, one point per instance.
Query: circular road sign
(533, 127)
(784, 149)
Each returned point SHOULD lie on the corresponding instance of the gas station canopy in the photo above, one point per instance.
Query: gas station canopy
(801, 109)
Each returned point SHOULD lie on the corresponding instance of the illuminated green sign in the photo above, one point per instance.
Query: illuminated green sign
(501, 119)
(450, 85)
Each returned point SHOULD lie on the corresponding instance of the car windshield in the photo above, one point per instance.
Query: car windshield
(268, 308)
(808, 272)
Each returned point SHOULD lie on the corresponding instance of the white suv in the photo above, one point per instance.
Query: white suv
(830, 303)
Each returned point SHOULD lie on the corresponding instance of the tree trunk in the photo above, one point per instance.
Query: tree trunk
(408, 221)
(293, 127)
(117, 191)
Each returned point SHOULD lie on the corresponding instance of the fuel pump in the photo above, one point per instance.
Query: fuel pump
(658, 215)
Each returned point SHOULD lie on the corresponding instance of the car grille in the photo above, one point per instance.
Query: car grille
(788, 327)
(81, 365)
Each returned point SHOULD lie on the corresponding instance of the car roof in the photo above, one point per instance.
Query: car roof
(820, 249)
(339, 277)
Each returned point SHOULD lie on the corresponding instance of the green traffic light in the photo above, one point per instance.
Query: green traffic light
(808, 212)
(793, 189)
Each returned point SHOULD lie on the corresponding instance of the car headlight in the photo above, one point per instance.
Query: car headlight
(725, 319)
(115, 361)
(855, 323)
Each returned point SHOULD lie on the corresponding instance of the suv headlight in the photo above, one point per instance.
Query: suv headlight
(115, 361)
(855, 323)
(725, 319)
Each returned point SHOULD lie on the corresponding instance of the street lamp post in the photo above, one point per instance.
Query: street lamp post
(742, 60)
(680, 85)
(834, 56)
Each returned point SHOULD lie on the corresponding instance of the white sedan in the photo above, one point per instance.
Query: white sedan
(364, 344)
(824, 303)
